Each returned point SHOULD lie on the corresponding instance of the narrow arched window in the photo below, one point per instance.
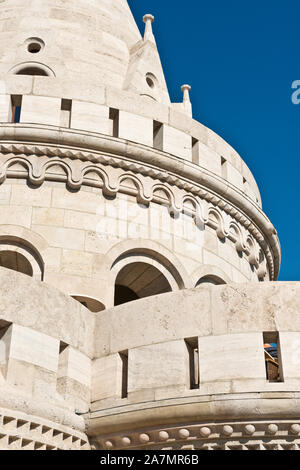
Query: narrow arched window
(18, 256)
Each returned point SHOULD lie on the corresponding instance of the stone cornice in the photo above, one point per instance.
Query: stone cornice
(30, 140)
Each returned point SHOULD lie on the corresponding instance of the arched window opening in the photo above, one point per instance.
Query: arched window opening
(91, 304)
(210, 280)
(138, 280)
(16, 262)
(33, 71)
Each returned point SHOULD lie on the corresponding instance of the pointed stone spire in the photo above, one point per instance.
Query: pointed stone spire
(149, 36)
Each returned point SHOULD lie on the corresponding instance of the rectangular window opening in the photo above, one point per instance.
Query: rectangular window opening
(66, 113)
(114, 117)
(192, 345)
(223, 168)
(195, 150)
(16, 108)
(273, 362)
(124, 359)
(158, 135)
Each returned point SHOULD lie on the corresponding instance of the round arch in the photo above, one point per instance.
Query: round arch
(19, 258)
(28, 244)
(150, 248)
(147, 252)
(138, 280)
(147, 259)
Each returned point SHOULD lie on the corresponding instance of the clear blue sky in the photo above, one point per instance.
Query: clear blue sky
(241, 59)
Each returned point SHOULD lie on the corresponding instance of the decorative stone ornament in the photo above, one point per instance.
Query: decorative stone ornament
(148, 20)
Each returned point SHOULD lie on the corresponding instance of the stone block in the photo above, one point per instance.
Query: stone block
(107, 377)
(23, 196)
(75, 365)
(91, 117)
(62, 237)
(35, 348)
(232, 175)
(209, 159)
(177, 143)
(290, 354)
(41, 110)
(48, 216)
(228, 358)
(11, 214)
(157, 366)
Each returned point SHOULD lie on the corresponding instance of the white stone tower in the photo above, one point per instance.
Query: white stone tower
(135, 256)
